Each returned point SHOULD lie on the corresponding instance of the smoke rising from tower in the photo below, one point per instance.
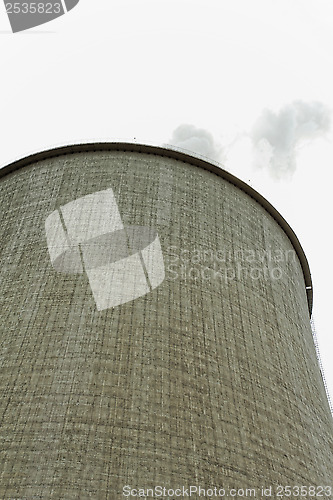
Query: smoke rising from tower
(197, 140)
(276, 137)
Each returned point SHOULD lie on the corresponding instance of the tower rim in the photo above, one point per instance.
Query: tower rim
(187, 157)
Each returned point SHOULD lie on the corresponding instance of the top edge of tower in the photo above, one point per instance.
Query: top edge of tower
(184, 156)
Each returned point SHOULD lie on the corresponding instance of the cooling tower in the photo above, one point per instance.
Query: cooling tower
(155, 333)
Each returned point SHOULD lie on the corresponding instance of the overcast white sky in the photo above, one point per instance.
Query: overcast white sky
(123, 69)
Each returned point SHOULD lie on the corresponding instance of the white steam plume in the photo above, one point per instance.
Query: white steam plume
(196, 140)
(276, 137)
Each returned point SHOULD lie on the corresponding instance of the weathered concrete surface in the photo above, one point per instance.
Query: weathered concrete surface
(210, 379)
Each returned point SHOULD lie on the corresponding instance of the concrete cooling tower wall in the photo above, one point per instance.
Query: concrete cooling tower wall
(155, 332)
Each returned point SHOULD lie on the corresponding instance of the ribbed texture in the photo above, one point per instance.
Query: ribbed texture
(200, 381)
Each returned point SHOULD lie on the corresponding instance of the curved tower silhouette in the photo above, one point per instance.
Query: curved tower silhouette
(155, 330)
